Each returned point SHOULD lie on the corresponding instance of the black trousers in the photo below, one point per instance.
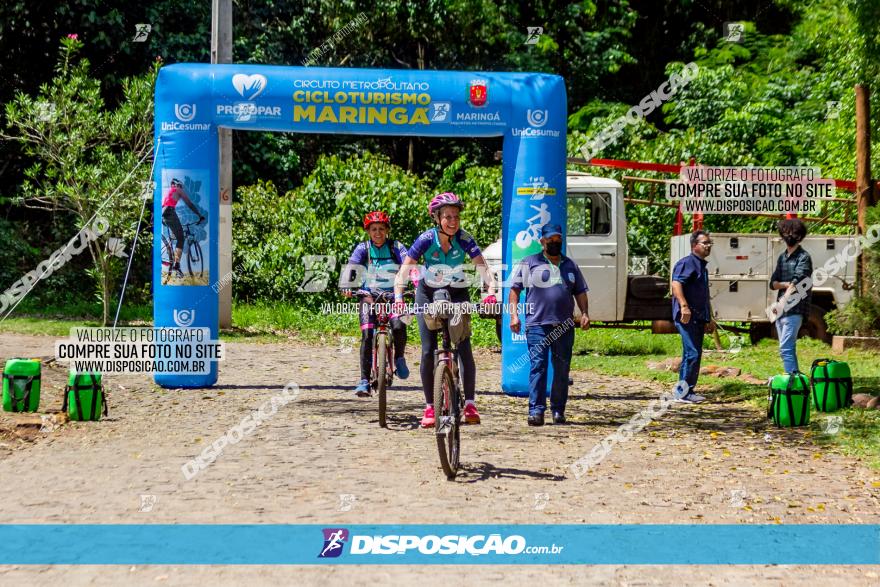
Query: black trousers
(368, 331)
(424, 295)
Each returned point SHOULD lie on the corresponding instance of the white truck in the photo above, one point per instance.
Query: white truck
(740, 267)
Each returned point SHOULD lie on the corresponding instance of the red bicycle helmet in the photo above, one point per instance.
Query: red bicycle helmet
(376, 216)
(444, 199)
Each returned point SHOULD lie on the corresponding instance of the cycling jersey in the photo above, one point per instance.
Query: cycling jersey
(444, 269)
(428, 246)
(375, 259)
(171, 197)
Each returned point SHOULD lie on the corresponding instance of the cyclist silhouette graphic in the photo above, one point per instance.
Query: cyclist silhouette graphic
(533, 232)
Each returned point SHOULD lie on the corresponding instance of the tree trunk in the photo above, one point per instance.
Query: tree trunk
(105, 281)
(102, 264)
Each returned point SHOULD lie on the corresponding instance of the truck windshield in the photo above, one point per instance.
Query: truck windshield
(589, 214)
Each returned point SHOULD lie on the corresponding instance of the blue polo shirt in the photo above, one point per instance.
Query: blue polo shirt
(549, 288)
(691, 273)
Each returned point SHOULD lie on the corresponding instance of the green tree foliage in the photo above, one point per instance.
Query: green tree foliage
(86, 160)
(324, 216)
(862, 315)
(764, 101)
(585, 42)
(480, 189)
(274, 232)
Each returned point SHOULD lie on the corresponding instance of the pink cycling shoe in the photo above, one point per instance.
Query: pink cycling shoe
(471, 416)
(428, 417)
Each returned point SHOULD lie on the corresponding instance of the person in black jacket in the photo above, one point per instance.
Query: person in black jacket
(793, 267)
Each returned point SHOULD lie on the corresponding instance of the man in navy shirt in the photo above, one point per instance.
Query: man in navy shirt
(691, 311)
(552, 282)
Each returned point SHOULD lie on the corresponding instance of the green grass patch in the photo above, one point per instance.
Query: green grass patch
(616, 352)
(58, 319)
(284, 321)
(855, 433)
(626, 353)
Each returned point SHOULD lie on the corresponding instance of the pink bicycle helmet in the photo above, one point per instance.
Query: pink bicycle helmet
(444, 199)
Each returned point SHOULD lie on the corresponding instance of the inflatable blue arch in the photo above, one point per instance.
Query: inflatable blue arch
(194, 100)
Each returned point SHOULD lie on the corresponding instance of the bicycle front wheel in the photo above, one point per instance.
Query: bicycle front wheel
(446, 414)
(194, 259)
(381, 354)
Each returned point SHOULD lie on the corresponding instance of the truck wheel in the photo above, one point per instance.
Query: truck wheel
(759, 330)
(814, 325)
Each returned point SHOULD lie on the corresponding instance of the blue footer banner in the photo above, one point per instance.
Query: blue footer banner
(270, 544)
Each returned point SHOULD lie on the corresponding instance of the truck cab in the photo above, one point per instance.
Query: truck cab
(596, 239)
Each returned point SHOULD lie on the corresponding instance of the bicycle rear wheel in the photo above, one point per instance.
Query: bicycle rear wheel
(447, 415)
(167, 259)
(381, 354)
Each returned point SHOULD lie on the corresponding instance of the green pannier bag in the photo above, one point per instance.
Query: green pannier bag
(789, 400)
(21, 385)
(84, 397)
(832, 385)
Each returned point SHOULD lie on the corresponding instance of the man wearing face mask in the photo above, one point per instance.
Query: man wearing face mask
(792, 267)
(553, 283)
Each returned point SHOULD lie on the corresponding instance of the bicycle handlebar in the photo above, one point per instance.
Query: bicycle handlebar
(384, 296)
(198, 222)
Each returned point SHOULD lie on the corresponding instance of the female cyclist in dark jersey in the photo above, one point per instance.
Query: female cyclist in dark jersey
(449, 246)
(170, 219)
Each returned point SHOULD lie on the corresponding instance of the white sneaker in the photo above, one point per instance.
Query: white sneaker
(691, 398)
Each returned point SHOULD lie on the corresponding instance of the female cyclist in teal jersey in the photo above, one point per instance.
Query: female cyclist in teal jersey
(445, 248)
(372, 255)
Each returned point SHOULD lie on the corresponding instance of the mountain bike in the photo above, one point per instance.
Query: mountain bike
(448, 389)
(382, 370)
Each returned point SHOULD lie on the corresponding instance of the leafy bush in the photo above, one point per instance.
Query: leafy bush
(85, 155)
(480, 188)
(16, 256)
(26, 243)
(274, 233)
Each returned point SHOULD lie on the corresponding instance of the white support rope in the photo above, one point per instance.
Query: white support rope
(137, 233)
(107, 201)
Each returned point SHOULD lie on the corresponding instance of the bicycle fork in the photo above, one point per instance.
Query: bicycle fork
(447, 422)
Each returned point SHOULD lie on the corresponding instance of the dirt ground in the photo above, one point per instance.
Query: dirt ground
(323, 459)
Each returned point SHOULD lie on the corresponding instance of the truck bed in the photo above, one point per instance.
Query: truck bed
(740, 267)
